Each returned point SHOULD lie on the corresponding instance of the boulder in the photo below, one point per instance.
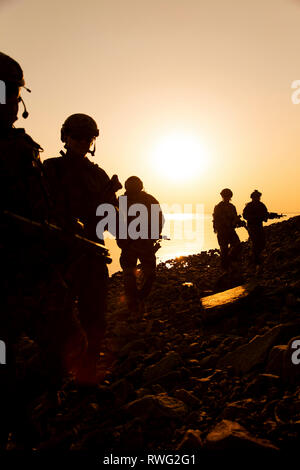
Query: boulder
(262, 384)
(238, 409)
(167, 364)
(156, 406)
(187, 397)
(252, 354)
(121, 390)
(227, 303)
(275, 359)
(191, 440)
(229, 435)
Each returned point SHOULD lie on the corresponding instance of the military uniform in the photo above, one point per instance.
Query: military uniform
(225, 220)
(140, 249)
(26, 270)
(78, 187)
(256, 213)
(30, 261)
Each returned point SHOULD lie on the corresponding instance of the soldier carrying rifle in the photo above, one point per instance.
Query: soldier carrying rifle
(142, 248)
(225, 221)
(255, 212)
(32, 288)
(78, 187)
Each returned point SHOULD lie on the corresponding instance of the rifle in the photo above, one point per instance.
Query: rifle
(241, 223)
(157, 244)
(82, 242)
(274, 215)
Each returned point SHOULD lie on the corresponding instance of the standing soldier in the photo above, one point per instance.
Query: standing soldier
(142, 249)
(22, 193)
(256, 213)
(23, 197)
(78, 187)
(225, 221)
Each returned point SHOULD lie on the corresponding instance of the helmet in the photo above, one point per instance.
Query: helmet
(255, 194)
(226, 192)
(133, 184)
(79, 125)
(10, 71)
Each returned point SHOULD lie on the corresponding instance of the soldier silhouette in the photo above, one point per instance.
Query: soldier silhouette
(142, 249)
(255, 212)
(22, 195)
(78, 187)
(225, 221)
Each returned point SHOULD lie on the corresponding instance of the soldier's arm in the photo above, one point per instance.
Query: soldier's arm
(265, 213)
(161, 220)
(235, 218)
(108, 187)
(59, 213)
(245, 212)
(214, 219)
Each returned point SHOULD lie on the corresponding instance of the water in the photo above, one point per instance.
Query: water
(193, 234)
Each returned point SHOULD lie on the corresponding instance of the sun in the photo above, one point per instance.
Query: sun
(179, 156)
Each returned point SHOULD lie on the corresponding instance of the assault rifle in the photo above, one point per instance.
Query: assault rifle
(157, 244)
(83, 243)
(274, 215)
(241, 223)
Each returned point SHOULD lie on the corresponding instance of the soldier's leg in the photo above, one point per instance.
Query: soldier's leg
(128, 261)
(148, 266)
(92, 310)
(224, 249)
(260, 244)
(257, 237)
(235, 246)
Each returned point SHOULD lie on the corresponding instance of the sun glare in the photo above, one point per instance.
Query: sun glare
(180, 156)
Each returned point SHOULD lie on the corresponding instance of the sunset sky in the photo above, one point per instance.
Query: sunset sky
(192, 96)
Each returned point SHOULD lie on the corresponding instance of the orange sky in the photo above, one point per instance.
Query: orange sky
(220, 71)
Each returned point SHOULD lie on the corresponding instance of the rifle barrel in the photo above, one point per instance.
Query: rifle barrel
(55, 228)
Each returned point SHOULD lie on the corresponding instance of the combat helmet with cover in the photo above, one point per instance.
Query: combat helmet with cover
(10, 71)
(226, 192)
(79, 125)
(134, 185)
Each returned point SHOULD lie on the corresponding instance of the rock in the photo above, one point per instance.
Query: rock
(142, 392)
(238, 409)
(132, 438)
(187, 397)
(229, 435)
(227, 302)
(104, 394)
(194, 348)
(261, 384)
(138, 345)
(167, 364)
(157, 389)
(170, 380)
(151, 406)
(275, 359)
(122, 390)
(252, 354)
(291, 300)
(191, 440)
(209, 361)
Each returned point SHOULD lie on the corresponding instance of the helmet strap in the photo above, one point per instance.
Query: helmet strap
(92, 152)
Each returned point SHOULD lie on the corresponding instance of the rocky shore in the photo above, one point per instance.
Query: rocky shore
(198, 371)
